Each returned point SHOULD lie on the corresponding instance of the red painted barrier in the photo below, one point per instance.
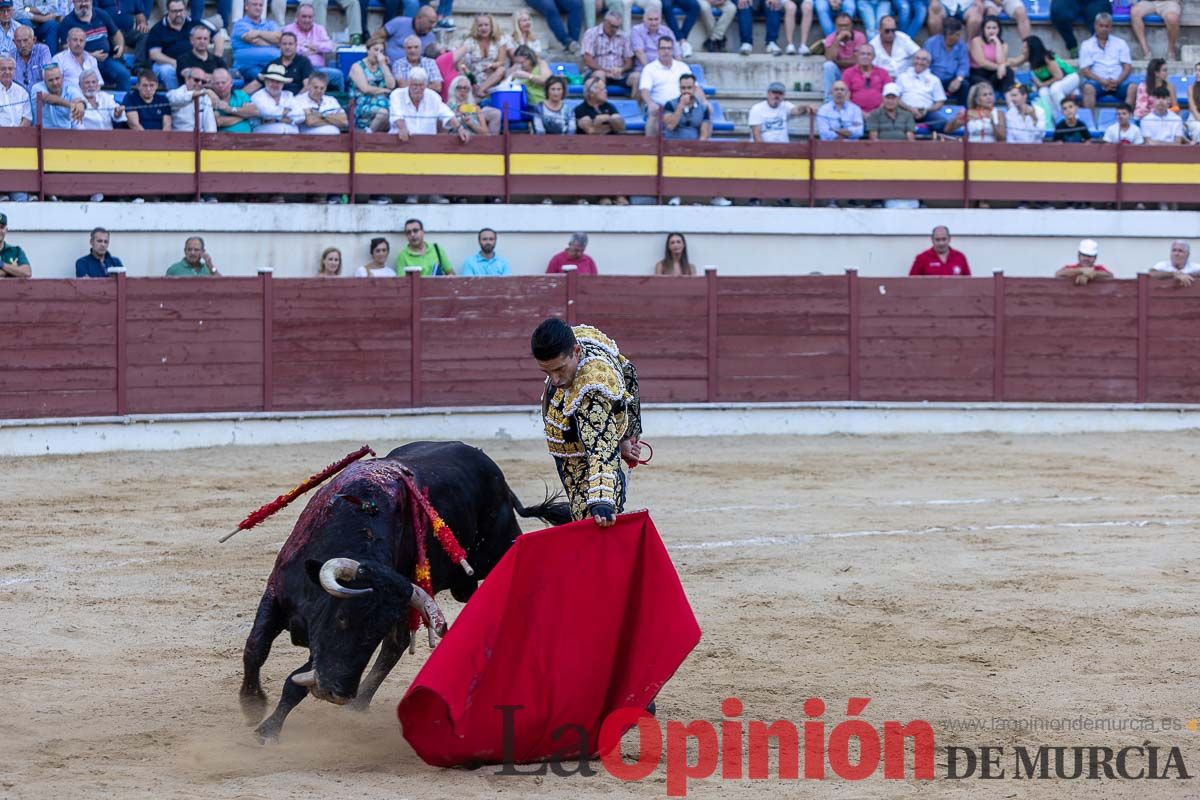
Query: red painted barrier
(156, 345)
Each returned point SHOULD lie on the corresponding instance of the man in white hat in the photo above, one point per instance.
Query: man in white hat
(1085, 270)
(891, 122)
(274, 103)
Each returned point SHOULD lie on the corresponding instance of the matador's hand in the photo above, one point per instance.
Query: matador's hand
(604, 515)
(631, 451)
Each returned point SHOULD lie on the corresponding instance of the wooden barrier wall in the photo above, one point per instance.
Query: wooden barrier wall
(127, 163)
(163, 345)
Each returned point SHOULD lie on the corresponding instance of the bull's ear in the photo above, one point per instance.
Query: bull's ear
(313, 568)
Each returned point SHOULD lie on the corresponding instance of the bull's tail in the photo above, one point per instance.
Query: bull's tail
(552, 510)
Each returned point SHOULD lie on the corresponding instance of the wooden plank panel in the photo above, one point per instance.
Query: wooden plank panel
(1063, 389)
(53, 335)
(766, 390)
(941, 345)
(196, 377)
(917, 369)
(342, 395)
(781, 304)
(178, 400)
(60, 357)
(951, 390)
(144, 290)
(225, 307)
(27, 405)
(798, 325)
(57, 380)
(1067, 367)
(195, 352)
(299, 373)
(171, 331)
(73, 290)
(42, 312)
(774, 366)
(739, 346)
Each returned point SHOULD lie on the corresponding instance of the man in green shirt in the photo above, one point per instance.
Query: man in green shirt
(233, 107)
(197, 263)
(13, 261)
(429, 257)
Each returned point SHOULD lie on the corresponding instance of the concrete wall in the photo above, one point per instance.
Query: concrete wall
(625, 240)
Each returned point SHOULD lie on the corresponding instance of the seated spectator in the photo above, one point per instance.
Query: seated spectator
(42, 18)
(840, 119)
(371, 83)
(131, 18)
(607, 51)
(1178, 267)
(421, 24)
(100, 109)
(231, 106)
(771, 11)
(644, 38)
(331, 263)
(104, 41)
(552, 10)
(146, 109)
(531, 72)
(274, 102)
(196, 263)
(1024, 123)
(660, 82)
(689, 116)
(949, 61)
(200, 53)
(1065, 13)
(74, 60)
(1193, 123)
(574, 254)
(551, 116)
(313, 42)
(7, 27)
(717, 27)
(1069, 128)
(841, 48)
(15, 110)
(675, 257)
(481, 120)
(890, 122)
(682, 30)
(984, 122)
(183, 110)
(31, 57)
(789, 27)
(865, 80)
(480, 56)
(1085, 270)
(98, 261)
(255, 40)
(921, 92)
(894, 49)
(1055, 78)
(1104, 63)
(941, 259)
(296, 68)
(315, 112)
(989, 58)
(429, 257)
(1162, 125)
(595, 116)
(1141, 96)
(487, 261)
(378, 266)
(13, 261)
(768, 118)
(168, 40)
(522, 34)
(1171, 12)
(62, 106)
(1123, 130)
(413, 58)
(415, 111)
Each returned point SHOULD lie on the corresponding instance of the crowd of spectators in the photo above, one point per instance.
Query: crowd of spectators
(430, 259)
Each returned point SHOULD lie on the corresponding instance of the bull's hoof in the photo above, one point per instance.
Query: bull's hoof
(254, 707)
(360, 705)
(266, 736)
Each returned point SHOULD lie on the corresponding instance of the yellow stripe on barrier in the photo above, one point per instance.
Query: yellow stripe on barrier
(14, 158)
(1165, 174)
(876, 169)
(761, 169)
(401, 163)
(1042, 172)
(600, 166)
(120, 161)
(286, 162)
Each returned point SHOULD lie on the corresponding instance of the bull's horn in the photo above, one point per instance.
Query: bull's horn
(466, 567)
(336, 569)
(429, 610)
(305, 678)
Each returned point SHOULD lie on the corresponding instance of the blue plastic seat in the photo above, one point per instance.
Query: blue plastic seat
(631, 112)
(1181, 83)
(719, 123)
(1106, 117)
(1086, 116)
(1023, 76)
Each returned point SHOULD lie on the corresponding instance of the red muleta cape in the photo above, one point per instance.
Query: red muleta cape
(574, 622)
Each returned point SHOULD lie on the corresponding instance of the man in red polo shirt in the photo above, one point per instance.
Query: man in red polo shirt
(1085, 270)
(941, 259)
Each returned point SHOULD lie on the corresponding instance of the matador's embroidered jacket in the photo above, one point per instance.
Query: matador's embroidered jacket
(586, 421)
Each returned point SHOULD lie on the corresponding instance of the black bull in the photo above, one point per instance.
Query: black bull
(341, 585)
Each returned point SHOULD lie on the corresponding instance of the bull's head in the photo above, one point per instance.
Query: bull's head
(370, 599)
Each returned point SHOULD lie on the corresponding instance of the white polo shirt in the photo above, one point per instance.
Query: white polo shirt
(662, 82)
(920, 89)
(328, 106)
(421, 120)
(14, 106)
(1167, 128)
(1106, 61)
(900, 59)
(72, 69)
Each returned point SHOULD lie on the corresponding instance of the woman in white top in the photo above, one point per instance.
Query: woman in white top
(100, 108)
(378, 267)
(983, 121)
(522, 34)
(1024, 122)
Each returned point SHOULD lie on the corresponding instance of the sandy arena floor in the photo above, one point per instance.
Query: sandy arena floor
(946, 578)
